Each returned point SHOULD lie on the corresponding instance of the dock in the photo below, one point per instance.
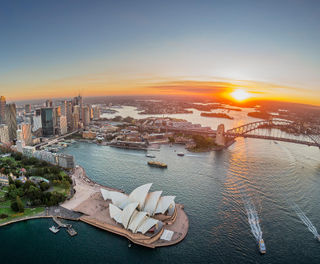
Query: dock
(71, 231)
(68, 227)
(58, 222)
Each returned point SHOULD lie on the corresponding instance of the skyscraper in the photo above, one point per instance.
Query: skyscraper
(49, 103)
(63, 106)
(79, 101)
(48, 121)
(28, 108)
(26, 135)
(63, 126)
(96, 113)
(69, 116)
(75, 119)
(11, 121)
(86, 116)
(2, 110)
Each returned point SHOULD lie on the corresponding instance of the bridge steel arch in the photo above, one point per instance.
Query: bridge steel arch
(313, 133)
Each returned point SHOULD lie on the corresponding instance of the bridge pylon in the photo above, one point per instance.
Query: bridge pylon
(220, 137)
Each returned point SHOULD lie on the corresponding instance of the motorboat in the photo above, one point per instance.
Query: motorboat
(318, 237)
(180, 154)
(262, 246)
(148, 155)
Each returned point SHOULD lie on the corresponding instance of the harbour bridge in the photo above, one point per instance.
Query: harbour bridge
(277, 130)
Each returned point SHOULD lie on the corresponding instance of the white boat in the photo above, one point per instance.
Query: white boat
(262, 246)
(148, 155)
(181, 154)
(54, 229)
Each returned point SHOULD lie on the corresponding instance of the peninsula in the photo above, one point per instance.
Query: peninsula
(171, 224)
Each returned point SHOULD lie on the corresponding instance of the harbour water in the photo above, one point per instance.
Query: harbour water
(232, 197)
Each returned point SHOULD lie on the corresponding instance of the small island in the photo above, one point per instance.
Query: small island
(259, 114)
(216, 115)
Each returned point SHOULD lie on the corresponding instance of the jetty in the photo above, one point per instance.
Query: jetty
(58, 222)
(71, 231)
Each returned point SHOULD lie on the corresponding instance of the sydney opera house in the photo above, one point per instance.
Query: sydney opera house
(144, 217)
(141, 211)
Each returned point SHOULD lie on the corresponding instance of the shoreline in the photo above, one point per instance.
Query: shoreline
(87, 205)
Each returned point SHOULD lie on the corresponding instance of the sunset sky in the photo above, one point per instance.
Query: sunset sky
(58, 48)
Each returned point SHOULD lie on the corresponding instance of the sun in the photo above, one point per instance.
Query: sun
(240, 95)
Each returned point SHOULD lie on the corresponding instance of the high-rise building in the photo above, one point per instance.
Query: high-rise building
(48, 121)
(26, 135)
(63, 107)
(11, 121)
(49, 103)
(90, 112)
(36, 123)
(63, 125)
(4, 134)
(76, 109)
(75, 119)
(69, 116)
(2, 110)
(96, 112)
(28, 108)
(79, 101)
(86, 116)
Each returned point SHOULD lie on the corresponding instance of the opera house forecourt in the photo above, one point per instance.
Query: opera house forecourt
(145, 218)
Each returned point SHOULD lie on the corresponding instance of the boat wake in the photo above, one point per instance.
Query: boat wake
(253, 219)
(305, 220)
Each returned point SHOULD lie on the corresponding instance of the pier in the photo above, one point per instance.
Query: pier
(70, 230)
(58, 222)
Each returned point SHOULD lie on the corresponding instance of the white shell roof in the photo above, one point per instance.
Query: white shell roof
(105, 194)
(152, 202)
(115, 213)
(127, 213)
(137, 220)
(164, 203)
(139, 194)
(146, 225)
(119, 199)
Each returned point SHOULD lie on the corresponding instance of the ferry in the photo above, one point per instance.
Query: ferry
(157, 164)
(180, 154)
(148, 155)
(262, 246)
(54, 229)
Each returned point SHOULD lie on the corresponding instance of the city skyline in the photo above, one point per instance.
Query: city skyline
(54, 50)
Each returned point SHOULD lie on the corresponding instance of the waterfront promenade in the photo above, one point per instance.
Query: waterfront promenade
(87, 205)
(49, 212)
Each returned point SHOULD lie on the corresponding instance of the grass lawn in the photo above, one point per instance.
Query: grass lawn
(14, 215)
(60, 189)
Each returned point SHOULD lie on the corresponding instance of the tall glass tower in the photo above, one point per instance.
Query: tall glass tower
(11, 120)
(48, 121)
(2, 110)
